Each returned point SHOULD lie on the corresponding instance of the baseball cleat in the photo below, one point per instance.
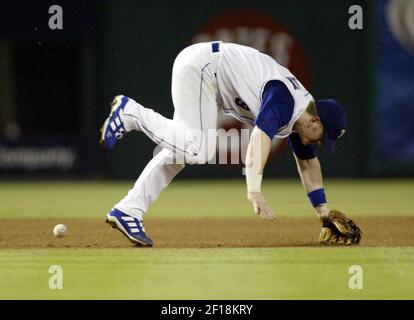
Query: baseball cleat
(131, 227)
(113, 128)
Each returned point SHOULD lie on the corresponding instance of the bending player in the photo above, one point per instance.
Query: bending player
(252, 87)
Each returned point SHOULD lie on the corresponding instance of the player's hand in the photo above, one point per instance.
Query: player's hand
(260, 206)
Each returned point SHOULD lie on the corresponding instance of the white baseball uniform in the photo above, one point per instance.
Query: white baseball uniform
(206, 77)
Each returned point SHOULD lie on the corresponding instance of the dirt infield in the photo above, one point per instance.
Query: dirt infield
(198, 233)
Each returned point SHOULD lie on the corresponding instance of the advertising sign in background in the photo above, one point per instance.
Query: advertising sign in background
(395, 117)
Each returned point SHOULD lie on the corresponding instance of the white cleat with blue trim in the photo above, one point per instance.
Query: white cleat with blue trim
(131, 227)
(113, 128)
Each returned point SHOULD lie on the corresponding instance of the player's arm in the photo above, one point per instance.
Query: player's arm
(257, 153)
(310, 173)
(276, 111)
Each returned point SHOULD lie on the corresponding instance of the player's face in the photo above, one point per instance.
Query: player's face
(312, 132)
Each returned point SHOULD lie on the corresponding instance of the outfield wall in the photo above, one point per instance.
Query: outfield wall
(112, 47)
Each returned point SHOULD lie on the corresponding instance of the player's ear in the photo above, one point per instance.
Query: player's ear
(315, 121)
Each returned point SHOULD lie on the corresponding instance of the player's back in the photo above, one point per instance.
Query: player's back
(242, 74)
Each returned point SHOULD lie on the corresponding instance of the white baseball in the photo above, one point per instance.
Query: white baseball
(60, 230)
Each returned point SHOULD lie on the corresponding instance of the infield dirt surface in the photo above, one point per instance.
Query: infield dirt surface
(208, 243)
(199, 233)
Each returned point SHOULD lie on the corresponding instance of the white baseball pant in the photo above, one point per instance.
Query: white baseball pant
(183, 139)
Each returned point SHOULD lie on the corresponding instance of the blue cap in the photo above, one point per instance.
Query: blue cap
(334, 120)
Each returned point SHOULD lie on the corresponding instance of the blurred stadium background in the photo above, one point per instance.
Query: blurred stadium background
(56, 85)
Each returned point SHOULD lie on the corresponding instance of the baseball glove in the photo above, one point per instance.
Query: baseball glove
(338, 229)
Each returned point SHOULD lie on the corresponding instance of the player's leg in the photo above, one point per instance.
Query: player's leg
(157, 175)
(198, 112)
(128, 115)
(128, 214)
(194, 93)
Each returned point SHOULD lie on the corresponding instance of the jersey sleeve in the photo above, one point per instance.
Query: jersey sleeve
(276, 109)
(301, 151)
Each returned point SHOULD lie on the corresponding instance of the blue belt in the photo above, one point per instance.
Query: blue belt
(215, 47)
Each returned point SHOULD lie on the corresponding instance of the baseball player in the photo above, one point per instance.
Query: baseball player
(252, 87)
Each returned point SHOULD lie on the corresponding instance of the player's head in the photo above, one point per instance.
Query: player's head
(334, 121)
(323, 123)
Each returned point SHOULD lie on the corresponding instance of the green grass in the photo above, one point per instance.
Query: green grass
(285, 273)
(204, 198)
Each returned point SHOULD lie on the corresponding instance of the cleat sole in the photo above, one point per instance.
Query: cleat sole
(136, 242)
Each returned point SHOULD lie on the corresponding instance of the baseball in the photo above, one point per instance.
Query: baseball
(60, 230)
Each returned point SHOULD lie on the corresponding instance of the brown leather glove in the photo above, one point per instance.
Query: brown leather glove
(338, 229)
